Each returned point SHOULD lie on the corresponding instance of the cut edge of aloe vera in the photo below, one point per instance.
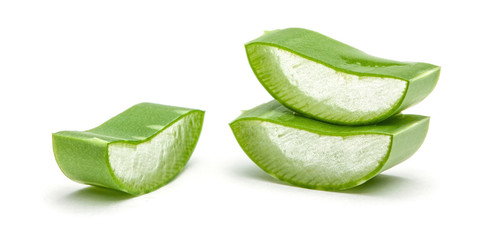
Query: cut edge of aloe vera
(287, 177)
(97, 146)
(134, 187)
(416, 89)
(404, 140)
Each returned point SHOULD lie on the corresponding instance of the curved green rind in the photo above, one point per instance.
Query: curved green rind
(407, 134)
(83, 155)
(421, 77)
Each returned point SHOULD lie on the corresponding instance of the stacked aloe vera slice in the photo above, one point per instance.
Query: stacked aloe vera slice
(336, 122)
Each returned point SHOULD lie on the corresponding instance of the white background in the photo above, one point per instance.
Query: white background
(71, 65)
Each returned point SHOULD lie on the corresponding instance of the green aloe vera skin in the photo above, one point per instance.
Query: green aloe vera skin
(330, 81)
(313, 154)
(136, 152)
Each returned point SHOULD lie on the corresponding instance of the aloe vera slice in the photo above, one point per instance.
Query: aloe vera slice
(328, 80)
(313, 154)
(137, 151)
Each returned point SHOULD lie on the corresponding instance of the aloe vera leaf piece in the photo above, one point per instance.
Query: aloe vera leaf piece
(314, 154)
(137, 151)
(330, 81)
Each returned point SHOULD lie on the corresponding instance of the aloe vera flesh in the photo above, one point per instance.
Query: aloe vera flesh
(328, 80)
(137, 151)
(314, 154)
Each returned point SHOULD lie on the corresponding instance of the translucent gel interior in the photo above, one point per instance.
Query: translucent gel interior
(327, 93)
(312, 159)
(153, 162)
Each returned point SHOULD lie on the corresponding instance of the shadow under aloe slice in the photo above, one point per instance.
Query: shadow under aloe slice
(313, 154)
(137, 151)
(328, 80)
